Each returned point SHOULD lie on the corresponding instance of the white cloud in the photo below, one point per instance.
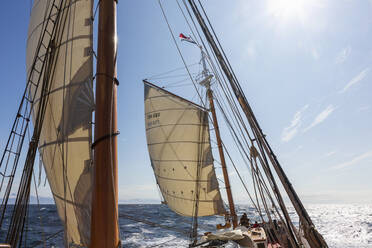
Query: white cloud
(322, 116)
(290, 131)
(343, 55)
(353, 161)
(355, 80)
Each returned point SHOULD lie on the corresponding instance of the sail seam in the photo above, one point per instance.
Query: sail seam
(169, 109)
(187, 199)
(181, 180)
(174, 124)
(176, 142)
(172, 160)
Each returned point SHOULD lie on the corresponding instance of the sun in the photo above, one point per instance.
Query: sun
(289, 9)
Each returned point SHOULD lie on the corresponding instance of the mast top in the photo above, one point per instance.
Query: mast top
(206, 75)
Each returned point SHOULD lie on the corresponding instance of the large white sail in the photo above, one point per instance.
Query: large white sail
(65, 140)
(179, 145)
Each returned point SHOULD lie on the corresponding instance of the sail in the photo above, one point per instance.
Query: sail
(179, 146)
(65, 140)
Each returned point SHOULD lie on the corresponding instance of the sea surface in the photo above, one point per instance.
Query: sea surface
(151, 225)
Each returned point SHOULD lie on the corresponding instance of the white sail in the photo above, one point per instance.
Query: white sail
(66, 135)
(178, 141)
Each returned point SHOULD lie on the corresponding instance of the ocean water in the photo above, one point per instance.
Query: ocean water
(341, 225)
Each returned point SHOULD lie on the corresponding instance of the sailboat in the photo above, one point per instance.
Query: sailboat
(178, 133)
(180, 151)
(79, 155)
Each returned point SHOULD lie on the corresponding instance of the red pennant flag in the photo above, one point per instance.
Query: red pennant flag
(185, 38)
(182, 36)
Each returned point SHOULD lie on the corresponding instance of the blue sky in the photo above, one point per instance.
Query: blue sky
(305, 66)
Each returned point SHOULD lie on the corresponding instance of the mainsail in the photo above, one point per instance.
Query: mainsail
(65, 140)
(179, 145)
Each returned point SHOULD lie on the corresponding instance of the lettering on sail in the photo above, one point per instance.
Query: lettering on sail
(153, 119)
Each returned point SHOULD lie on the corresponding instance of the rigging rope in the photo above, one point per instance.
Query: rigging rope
(176, 86)
(210, 62)
(38, 207)
(259, 136)
(16, 226)
(188, 24)
(176, 69)
(95, 11)
(37, 199)
(179, 51)
(229, 97)
(48, 238)
(173, 76)
(245, 131)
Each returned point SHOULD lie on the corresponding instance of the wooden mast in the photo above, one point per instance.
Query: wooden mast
(222, 157)
(104, 226)
(206, 82)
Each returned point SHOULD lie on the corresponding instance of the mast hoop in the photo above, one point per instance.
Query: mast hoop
(114, 79)
(103, 138)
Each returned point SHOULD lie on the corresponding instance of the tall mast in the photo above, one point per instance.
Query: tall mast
(206, 83)
(104, 226)
(222, 157)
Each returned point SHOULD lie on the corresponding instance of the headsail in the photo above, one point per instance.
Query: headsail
(66, 135)
(179, 144)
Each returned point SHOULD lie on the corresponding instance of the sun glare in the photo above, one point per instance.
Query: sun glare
(289, 9)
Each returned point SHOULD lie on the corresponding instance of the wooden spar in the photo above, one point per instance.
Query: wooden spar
(104, 226)
(223, 161)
